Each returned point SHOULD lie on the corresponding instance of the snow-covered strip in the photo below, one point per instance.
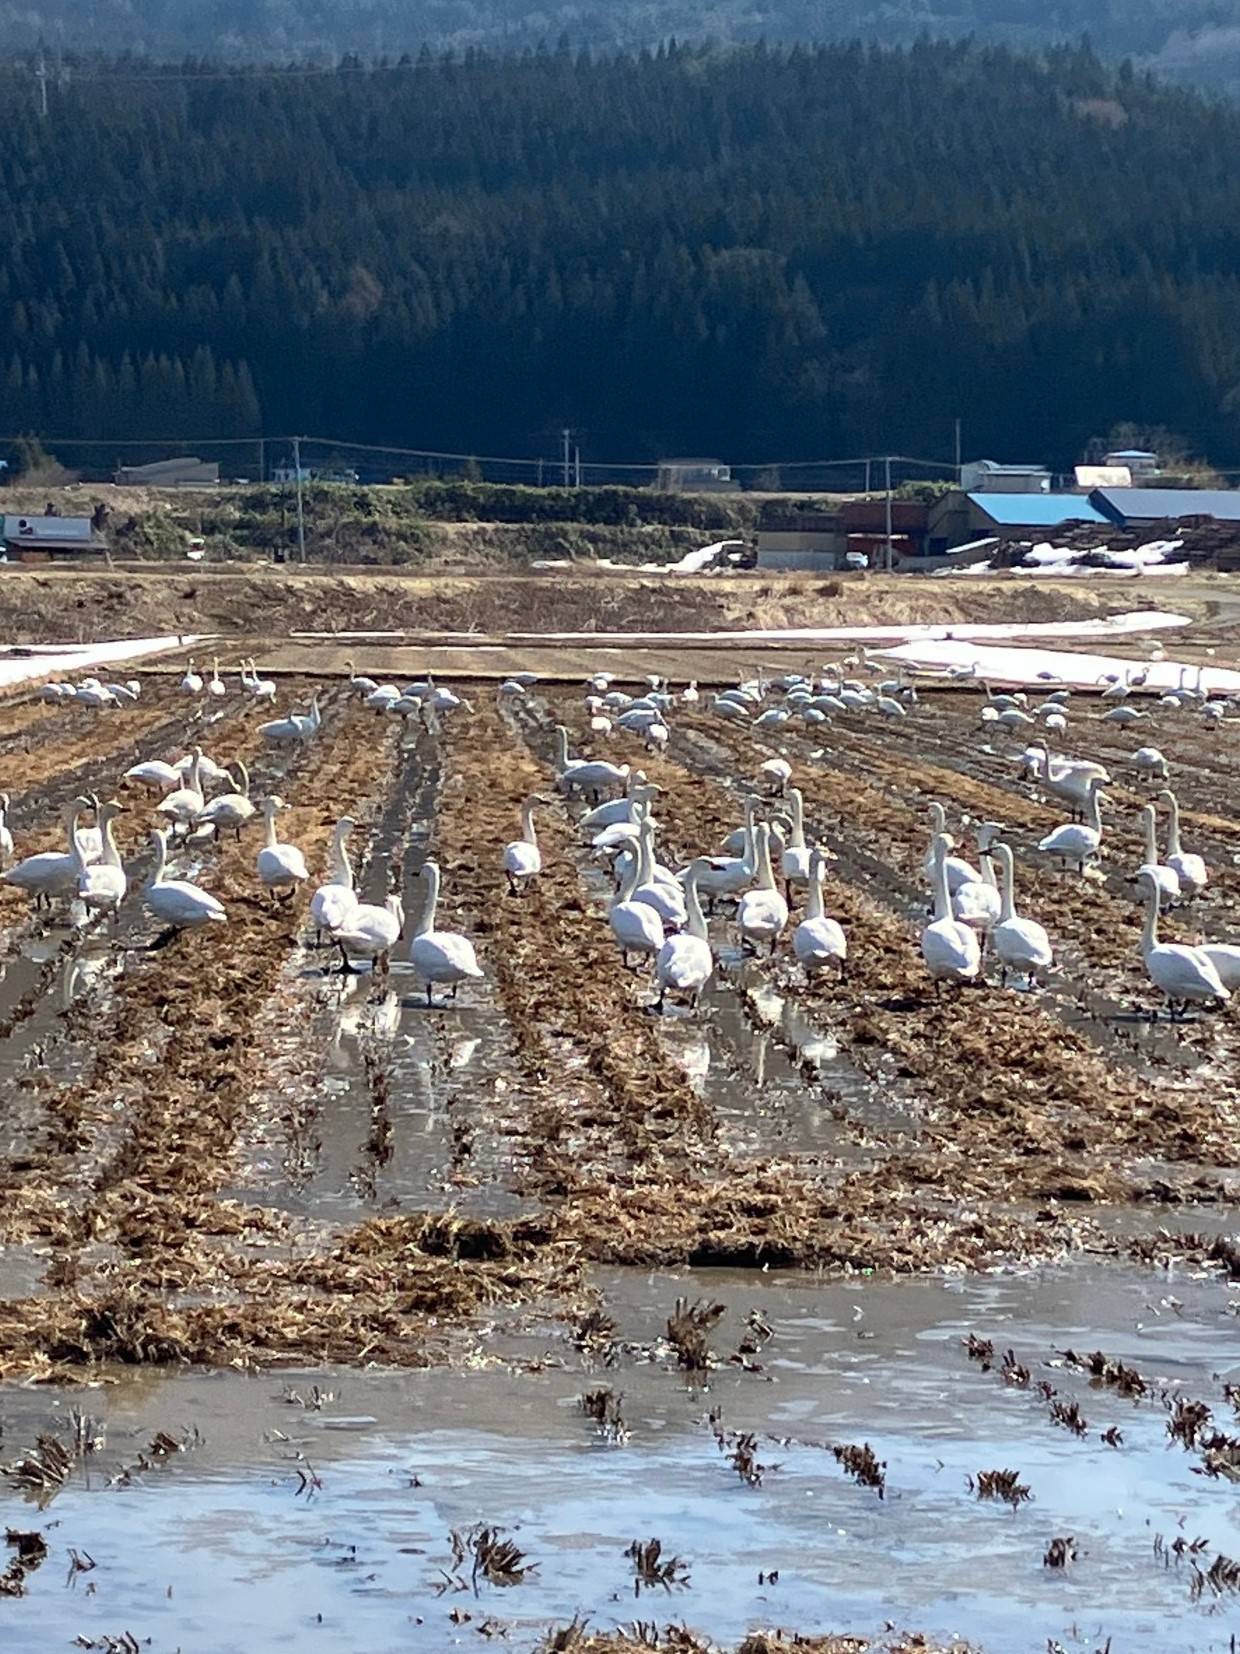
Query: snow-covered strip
(1046, 668)
(1144, 620)
(57, 660)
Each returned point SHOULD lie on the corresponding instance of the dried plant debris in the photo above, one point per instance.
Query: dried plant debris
(1187, 1421)
(1068, 1415)
(1000, 1484)
(1221, 1576)
(1060, 1552)
(44, 1469)
(1178, 1548)
(651, 1567)
(1112, 1436)
(604, 1407)
(862, 1464)
(687, 1328)
(1114, 1374)
(483, 1553)
(1013, 1372)
(595, 1334)
(740, 1449)
(645, 1637)
(31, 1551)
(981, 1350)
(1220, 1456)
(126, 1643)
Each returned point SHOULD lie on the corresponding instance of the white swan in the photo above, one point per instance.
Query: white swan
(369, 932)
(1149, 764)
(262, 689)
(232, 809)
(1066, 778)
(1191, 869)
(6, 833)
(584, 774)
(794, 861)
(442, 957)
(959, 871)
(762, 912)
(635, 925)
(657, 886)
(1166, 878)
(179, 904)
(1021, 945)
(216, 685)
(280, 866)
(637, 791)
(729, 875)
(103, 886)
(1185, 975)
(777, 772)
(1225, 957)
(819, 941)
(51, 872)
(1075, 841)
(333, 902)
(949, 948)
(155, 774)
(522, 857)
(184, 806)
(363, 686)
(685, 963)
(298, 726)
(1123, 715)
(690, 695)
(976, 903)
(191, 683)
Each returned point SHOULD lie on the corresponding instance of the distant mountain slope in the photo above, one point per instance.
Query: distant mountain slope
(1195, 39)
(754, 252)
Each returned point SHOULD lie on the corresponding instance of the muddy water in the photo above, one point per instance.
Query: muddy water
(215, 1548)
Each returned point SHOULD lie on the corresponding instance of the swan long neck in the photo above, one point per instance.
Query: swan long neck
(798, 819)
(645, 851)
(628, 878)
(766, 876)
(1149, 936)
(341, 868)
(1173, 825)
(942, 900)
(1092, 810)
(561, 748)
(426, 921)
(161, 856)
(271, 824)
(245, 778)
(695, 919)
(1007, 891)
(813, 902)
(528, 831)
(1147, 829)
(938, 819)
(111, 854)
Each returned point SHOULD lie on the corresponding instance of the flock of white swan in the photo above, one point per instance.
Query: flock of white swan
(202, 798)
(656, 912)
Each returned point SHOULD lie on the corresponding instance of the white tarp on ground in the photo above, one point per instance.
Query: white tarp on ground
(61, 659)
(1144, 620)
(1031, 666)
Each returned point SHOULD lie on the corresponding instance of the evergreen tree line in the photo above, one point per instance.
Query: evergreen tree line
(1197, 39)
(758, 253)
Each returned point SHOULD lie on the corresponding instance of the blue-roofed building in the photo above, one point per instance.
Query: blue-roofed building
(958, 517)
(1141, 507)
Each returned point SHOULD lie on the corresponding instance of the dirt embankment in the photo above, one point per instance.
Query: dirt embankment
(49, 605)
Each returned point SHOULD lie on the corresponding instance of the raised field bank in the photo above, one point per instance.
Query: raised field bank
(356, 1296)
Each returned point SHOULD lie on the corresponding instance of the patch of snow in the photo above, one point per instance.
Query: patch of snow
(1144, 620)
(58, 659)
(1036, 668)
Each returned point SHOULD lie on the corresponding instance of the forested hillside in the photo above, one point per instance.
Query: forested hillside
(1199, 39)
(756, 253)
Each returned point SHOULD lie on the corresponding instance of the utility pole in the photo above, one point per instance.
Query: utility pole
(867, 476)
(41, 77)
(957, 450)
(887, 469)
(301, 515)
(577, 465)
(565, 438)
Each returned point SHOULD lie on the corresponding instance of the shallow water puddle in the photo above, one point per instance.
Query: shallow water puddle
(215, 1547)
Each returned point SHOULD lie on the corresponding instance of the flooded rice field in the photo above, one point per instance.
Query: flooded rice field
(342, 1307)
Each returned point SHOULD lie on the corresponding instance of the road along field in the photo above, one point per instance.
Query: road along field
(223, 1153)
